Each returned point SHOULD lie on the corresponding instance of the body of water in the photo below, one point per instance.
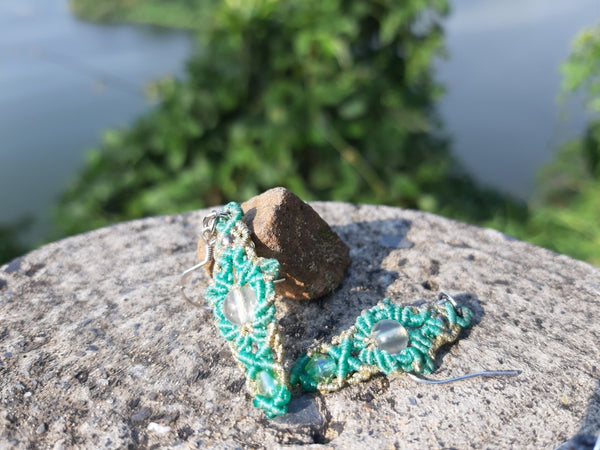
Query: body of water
(502, 79)
(62, 82)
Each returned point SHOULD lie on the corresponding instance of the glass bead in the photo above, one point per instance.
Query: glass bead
(390, 336)
(240, 305)
(321, 367)
(266, 384)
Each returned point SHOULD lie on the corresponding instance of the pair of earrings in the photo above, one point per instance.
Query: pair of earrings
(387, 338)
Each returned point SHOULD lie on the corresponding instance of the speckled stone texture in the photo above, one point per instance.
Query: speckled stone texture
(97, 348)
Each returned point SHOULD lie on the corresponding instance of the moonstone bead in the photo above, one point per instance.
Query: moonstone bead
(266, 384)
(320, 367)
(390, 336)
(240, 304)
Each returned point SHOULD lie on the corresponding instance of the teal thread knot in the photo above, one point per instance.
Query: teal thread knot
(233, 213)
(276, 405)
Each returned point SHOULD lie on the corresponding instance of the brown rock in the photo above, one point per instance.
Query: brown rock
(312, 256)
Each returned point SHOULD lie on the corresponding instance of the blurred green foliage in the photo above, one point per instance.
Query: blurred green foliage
(333, 99)
(11, 244)
(191, 14)
(582, 69)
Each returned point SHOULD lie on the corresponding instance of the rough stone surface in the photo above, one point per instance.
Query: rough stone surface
(96, 343)
(312, 256)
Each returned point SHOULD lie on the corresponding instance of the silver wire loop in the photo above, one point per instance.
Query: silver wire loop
(490, 373)
(209, 226)
(445, 297)
(184, 276)
(208, 233)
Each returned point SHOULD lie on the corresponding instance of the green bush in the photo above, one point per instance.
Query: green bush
(11, 244)
(582, 69)
(190, 14)
(567, 215)
(330, 98)
(104, 10)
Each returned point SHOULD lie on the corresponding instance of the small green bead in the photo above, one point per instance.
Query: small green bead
(321, 368)
(266, 384)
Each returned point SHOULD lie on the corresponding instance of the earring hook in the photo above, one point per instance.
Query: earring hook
(209, 224)
(490, 373)
(184, 276)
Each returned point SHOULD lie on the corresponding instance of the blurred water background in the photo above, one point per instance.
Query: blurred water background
(502, 79)
(62, 83)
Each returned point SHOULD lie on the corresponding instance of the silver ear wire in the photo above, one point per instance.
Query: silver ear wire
(184, 276)
(445, 297)
(490, 373)
(209, 224)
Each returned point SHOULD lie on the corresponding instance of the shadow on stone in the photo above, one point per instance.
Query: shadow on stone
(590, 425)
(303, 424)
(365, 284)
(371, 242)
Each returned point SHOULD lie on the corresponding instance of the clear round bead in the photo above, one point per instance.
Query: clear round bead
(390, 336)
(240, 305)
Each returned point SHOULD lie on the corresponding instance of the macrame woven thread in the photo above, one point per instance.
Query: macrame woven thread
(256, 345)
(353, 356)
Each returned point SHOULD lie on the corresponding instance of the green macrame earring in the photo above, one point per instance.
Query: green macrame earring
(386, 339)
(242, 297)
